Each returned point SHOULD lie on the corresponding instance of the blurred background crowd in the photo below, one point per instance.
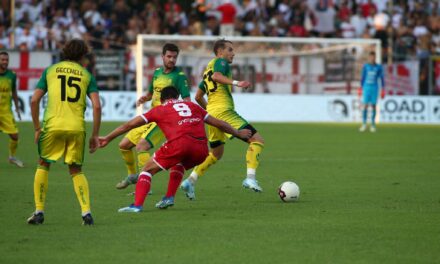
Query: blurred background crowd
(407, 28)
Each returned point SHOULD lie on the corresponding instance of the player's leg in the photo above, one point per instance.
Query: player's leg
(41, 180)
(151, 137)
(13, 144)
(176, 176)
(125, 146)
(143, 186)
(8, 126)
(373, 118)
(216, 139)
(81, 187)
(256, 145)
(74, 157)
(51, 147)
(366, 97)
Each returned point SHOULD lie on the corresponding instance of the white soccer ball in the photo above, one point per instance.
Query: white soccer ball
(288, 191)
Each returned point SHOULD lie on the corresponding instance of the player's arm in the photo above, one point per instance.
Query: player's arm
(145, 98)
(200, 98)
(363, 75)
(15, 98)
(35, 112)
(96, 105)
(221, 68)
(244, 134)
(133, 123)
(382, 79)
(183, 87)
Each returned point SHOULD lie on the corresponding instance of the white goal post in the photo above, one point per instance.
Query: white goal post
(256, 57)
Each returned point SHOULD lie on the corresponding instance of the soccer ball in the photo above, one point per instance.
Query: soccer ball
(288, 191)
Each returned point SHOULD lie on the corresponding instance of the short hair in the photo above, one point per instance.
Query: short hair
(170, 47)
(4, 53)
(75, 50)
(220, 44)
(169, 92)
(372, 53)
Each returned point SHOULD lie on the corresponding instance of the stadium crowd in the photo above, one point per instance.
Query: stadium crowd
(413, 26)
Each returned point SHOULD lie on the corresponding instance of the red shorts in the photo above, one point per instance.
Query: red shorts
(186, 150)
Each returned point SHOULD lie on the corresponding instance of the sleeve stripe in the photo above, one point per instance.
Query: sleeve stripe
(206, 116)
(144, 118)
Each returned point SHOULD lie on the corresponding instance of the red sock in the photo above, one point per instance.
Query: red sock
(142, 188)
(176, 175)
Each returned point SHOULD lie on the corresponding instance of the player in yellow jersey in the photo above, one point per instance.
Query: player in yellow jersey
(149, 136)
(8, 92)
(62, 133)
(217, 85)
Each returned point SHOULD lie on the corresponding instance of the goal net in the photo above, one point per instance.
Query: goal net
(272, 65)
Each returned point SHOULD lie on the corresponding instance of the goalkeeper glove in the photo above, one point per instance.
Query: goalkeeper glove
(360, 91)
(382, 93)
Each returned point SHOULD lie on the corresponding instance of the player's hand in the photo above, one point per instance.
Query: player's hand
(103, 141)
(37, 135)
(141, 100)
(244, 84)
(18, 114)
(244, 134)
(382, 93)
(93, 144)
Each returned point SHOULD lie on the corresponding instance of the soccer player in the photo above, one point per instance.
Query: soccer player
(372, 73)
(217, 85)
(148, 136)
(8, 92)
(182, 122)
(67, 84)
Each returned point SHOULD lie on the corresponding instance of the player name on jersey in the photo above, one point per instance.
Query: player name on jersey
(69, 70)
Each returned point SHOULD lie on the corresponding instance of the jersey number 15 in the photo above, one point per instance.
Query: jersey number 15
(71, 82)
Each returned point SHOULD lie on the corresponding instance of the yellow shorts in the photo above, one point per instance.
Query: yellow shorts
(52, 145)
(8, 125)
(150, 132)
(216, 136)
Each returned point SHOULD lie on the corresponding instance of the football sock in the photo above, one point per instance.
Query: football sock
(40, 187)
(128, 157)
(203, 167)
(81, 187)
(176, 175)
(12, 147)
(142, 157)
(142, 188)
(364, 116)
(193, 177)
(373, 117)
(253, 158)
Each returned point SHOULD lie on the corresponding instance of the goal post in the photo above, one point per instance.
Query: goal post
(273, 65)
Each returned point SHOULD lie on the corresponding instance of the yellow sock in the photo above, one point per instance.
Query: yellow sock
(143, 157)
(81, 187)
(128, 157)
(203, 167)
(12, 147)
(40, 187)
(253, 156)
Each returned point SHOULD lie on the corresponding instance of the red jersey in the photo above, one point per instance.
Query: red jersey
(177, 118)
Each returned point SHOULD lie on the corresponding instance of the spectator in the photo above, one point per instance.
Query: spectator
(228, 12)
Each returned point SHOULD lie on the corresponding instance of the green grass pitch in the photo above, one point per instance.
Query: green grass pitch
(365, 198)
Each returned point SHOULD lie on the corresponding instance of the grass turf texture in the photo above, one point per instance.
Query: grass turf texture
(365, 198)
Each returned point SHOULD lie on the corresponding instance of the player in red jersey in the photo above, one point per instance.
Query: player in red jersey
(182, 123)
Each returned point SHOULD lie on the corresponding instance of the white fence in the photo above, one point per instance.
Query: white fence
(120, 106)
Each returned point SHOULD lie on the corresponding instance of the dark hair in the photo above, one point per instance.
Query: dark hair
(372, 53)
(220, 44)
(75, 50)
(169, 92)
(169, 47)
(4, 53)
